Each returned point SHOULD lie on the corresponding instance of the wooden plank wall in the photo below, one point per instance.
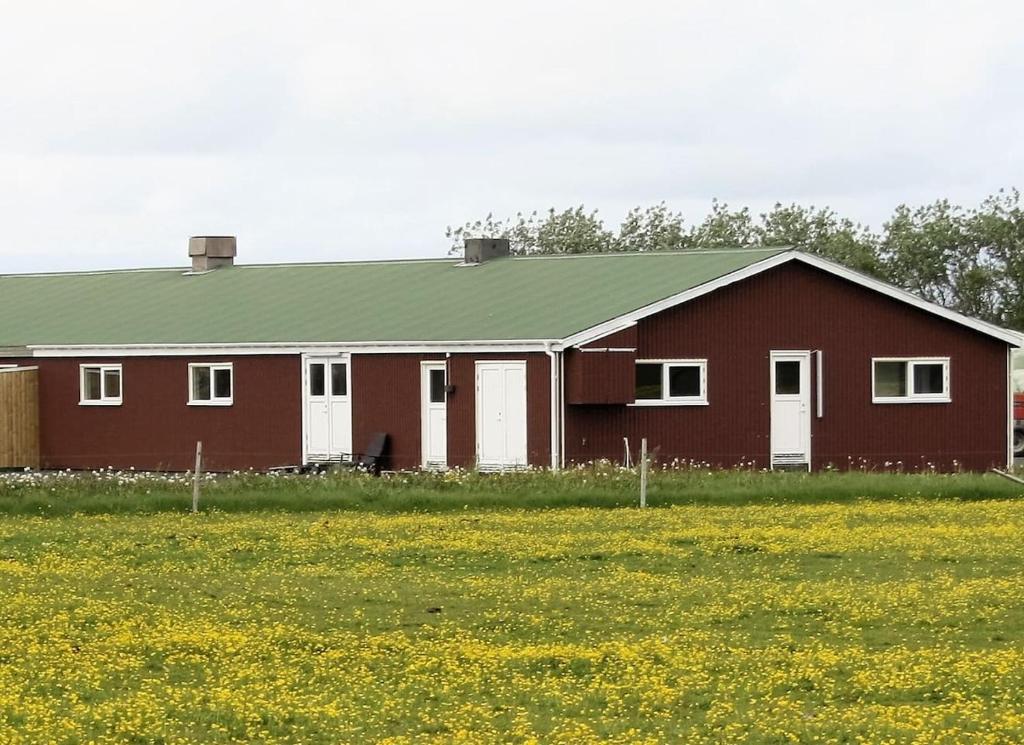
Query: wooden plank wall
(19, 417)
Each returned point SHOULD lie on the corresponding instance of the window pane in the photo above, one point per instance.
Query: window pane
(928, 378)
(339, 379)
(316, 379)
(200, 384)
(222, 383)
(112, 383)
(92, 384)
(684, 380)
(890, 379)
(648, 381)
(437, 386)
(787, 377)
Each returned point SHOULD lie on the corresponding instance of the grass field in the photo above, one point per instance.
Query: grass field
(596, 485)
(857, 621)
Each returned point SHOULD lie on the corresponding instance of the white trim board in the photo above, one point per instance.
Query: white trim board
(291, 348)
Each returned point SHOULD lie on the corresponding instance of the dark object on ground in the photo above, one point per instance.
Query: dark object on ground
(372, 458)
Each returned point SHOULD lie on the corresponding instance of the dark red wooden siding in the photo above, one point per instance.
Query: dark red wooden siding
(386, 398)
(625, 339)
(795, 307)
(155, 429)
(462, 408)
(601, 375)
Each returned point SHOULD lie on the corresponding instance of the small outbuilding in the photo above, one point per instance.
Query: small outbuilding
(765, 357)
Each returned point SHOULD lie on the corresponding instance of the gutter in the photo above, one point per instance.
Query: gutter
(554, 360)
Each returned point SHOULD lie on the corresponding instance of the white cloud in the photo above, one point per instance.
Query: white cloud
(346, 130)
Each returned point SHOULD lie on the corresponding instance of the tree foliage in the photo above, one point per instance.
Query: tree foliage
(967, 259)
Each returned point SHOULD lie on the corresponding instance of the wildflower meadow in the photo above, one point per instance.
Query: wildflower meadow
(863, 620)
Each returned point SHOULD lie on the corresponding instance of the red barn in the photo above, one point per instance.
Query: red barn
(768, 357)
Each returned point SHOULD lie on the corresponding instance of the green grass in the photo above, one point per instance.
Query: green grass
(599, 485)
(842, 620)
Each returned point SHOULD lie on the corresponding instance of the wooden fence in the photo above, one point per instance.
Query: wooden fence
(19, 417)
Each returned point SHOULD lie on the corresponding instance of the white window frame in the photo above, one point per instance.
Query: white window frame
(912, 397)
(213, 400)
(667, 400)
(104, 399)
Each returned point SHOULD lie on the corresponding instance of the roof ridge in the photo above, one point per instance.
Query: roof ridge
(674, 252)
(415, 260)
(184, 269)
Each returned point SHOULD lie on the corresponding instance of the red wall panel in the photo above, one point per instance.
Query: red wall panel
(155, 429)
(796, 307)
(462, 408)
(599, 377)
(386, 398)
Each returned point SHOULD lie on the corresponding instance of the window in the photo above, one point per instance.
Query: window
(787, 377)
(339, 379)
(671, 382)
(100, 385)
(437, 386)
(210, 385)
(317, 385)
(910, 380)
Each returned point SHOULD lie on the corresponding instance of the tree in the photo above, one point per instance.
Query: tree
(997, 230)
(653, 229)
(821, 232)
(571, 231)
(970, 260)
(723, 228)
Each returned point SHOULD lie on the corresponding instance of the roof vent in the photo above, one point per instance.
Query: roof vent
(479, 250)
(211, 251)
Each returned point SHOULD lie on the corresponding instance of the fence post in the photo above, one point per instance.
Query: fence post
(643, 472)
(195, 476)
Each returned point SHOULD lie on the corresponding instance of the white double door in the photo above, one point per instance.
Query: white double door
(500, 415)
(790, 408)
(328, 404)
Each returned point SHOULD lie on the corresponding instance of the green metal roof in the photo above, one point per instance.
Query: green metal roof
(429, 300)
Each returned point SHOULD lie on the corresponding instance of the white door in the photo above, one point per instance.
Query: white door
(791, 408)
(500, 415)
(434, 415)
(328, 409)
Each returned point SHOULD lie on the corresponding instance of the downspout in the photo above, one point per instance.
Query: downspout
(553, 360)
(1009, 407)
(561, 408)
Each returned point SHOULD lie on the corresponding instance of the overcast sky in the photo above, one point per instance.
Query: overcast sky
(339, 130)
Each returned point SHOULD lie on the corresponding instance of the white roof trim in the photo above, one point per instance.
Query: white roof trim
(628, 319)
(282, 348)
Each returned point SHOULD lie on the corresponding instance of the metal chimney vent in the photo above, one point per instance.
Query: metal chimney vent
(479, 250)
(212, 251)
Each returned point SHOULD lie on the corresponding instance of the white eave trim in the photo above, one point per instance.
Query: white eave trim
(629, 319)
(285, 348)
